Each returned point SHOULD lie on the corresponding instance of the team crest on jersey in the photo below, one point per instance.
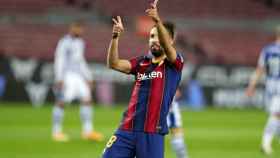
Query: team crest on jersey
(149, 76)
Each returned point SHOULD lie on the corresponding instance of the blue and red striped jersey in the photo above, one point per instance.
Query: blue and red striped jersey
(154, 88)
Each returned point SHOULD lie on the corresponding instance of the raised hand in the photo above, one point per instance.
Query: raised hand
(155, 3)
(153, 12)
(117, 27)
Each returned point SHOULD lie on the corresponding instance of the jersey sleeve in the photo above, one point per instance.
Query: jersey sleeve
(261, 61)
(134, 62)
(178, 64)
(85, 70)
(59, 59)
(87, 74)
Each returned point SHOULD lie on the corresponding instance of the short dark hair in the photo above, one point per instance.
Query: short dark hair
(170, 27)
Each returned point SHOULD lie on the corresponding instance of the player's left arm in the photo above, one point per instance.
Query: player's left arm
(59, 62)
(164, 37)
(260, 70)
(87, 74)
(85, 70)
(256, 76)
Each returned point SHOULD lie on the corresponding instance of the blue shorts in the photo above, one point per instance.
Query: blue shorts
(126, 144)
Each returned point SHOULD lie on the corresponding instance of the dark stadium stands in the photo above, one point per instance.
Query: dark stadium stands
(39, 41)
(28, 6)
(231, 46)
(193, 8)
(175, 8)
(29, 40)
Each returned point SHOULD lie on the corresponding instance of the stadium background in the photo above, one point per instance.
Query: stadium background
(221, 40)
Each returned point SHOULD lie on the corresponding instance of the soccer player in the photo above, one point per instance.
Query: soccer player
(174, 122)
(157, 77)
(73, 80)
(269, 64)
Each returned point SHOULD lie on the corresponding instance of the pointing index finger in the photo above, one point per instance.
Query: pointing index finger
(155, 3)
(119, 19)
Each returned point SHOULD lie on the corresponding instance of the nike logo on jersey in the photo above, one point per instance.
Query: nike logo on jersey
(149, 76)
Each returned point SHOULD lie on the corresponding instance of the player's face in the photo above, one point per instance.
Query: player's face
(76, 31)
(154, 44)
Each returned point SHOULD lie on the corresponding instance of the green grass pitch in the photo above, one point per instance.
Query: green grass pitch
(211, 133)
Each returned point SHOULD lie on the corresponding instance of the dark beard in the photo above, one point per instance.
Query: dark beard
(76, 35)
(157, 53)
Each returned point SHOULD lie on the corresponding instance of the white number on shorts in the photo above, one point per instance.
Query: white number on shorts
(111, 141)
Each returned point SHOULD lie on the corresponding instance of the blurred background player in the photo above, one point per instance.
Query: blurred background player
(269, 64)
(144, 125)
(73, 81)
(174, 122)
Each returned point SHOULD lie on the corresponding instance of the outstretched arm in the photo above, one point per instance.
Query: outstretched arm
(59, 60)
(250, 91)
(164, 37)
(113, 60)
(260, 70)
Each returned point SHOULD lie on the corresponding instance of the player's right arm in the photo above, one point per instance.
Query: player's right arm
(113, 60)
(58, 63)
(254, 80)
(260, 70)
